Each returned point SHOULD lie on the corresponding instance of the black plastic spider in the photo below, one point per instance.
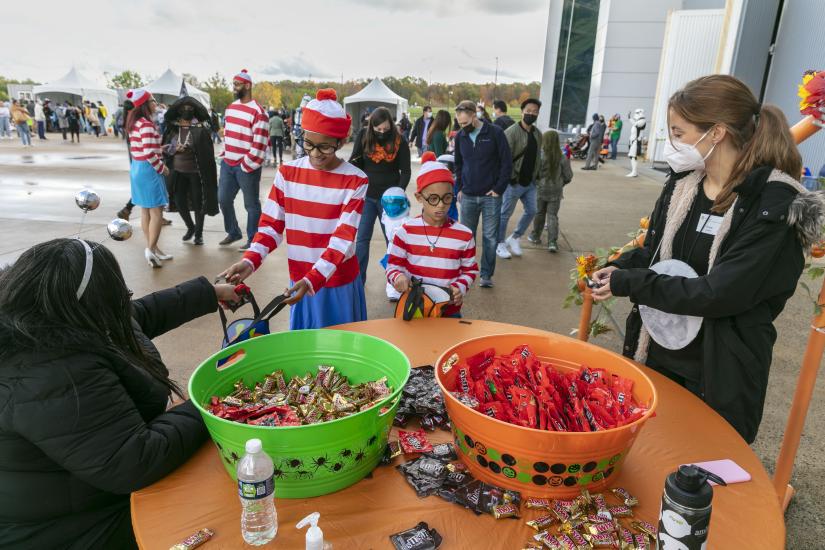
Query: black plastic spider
(234, 456)
(303, 474)
(346, 453)
(279, 474)
(295, 462)
(320, 461)
(337, 467)
(372, 441)
(360, 455)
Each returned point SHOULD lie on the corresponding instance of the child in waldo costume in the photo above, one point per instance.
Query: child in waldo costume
(432, 247)
(396, 212)
(316, 203)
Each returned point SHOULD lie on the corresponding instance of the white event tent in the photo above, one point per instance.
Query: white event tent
(166, 89)
(375, 94)
(75, 87)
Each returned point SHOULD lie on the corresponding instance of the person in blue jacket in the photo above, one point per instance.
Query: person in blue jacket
(482, 164)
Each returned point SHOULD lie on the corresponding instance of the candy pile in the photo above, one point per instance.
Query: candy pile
(521, 389)
(434, 473)
(326, 396)
(422, 398)
(588, 522)
(420, 537)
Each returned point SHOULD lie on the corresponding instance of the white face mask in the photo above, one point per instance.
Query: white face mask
(687, 157)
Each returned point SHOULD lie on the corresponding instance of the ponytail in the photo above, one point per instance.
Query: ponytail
(759, 133)
(771, 145)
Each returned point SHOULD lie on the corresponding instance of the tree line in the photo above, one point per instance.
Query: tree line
(288, 93)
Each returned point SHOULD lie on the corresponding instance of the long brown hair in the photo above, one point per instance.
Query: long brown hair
(440, 124)
(144, 111)
(378, 116)
(760, 133)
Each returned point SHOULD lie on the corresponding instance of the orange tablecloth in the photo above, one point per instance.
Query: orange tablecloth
(200, 494)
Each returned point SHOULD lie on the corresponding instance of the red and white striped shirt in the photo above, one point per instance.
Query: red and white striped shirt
(246, 135)
(442, 256)
(318, 211)
(144, 143)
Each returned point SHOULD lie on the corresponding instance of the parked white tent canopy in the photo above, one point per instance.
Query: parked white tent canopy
(166, 89)
(74, 87)
(375, 94)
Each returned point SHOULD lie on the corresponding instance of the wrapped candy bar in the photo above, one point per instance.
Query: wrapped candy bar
(194, 540)
(444, 451)
(422, 398)
(420, 537)
(520, 388)
(538, 504)
(620, 511)
(414, 442)
(625, 497)
(542, 523)
(646, 528)
(641, 541)
(507, 510)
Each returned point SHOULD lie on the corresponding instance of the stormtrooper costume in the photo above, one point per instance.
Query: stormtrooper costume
(396, 212)
(635, 146)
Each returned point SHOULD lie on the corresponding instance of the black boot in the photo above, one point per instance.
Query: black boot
(189, 232)
(198, 240)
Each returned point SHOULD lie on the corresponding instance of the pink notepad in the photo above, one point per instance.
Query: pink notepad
(727, 469)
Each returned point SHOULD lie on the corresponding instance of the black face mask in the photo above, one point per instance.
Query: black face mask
(187, 114)
(529, 120)
(383, 137)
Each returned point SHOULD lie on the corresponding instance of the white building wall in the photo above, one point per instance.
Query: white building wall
(691, 49)
(626, 58)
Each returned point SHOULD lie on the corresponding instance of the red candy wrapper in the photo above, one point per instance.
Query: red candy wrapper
(414, 442)
(521, 389)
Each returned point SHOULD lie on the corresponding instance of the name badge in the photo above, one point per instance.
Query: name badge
(709, 224)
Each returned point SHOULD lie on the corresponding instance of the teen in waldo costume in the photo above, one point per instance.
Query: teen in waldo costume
(316, 203)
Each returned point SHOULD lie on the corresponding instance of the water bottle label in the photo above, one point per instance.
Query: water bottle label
(256, 490)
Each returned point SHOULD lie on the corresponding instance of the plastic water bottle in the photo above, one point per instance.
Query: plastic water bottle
(259, 520)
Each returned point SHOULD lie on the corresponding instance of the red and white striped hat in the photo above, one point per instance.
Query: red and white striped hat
(324, 115)
(432, 172)
(138, 96)
(243, 76)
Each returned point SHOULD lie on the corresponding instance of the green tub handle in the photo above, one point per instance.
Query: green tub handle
(389, 406)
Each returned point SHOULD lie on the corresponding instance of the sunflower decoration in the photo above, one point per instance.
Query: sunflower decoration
(586, 265)
(812, 93)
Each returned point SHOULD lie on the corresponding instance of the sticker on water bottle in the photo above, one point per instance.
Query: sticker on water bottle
(256, 490)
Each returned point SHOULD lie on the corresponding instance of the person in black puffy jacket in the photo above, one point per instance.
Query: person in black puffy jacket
(85, 416)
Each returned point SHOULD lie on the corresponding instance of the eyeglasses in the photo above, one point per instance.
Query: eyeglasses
(323, 148)
(434, 199)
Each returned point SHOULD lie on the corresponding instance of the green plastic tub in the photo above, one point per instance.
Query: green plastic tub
(320, 458)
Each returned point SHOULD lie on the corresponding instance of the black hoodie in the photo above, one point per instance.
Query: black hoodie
(82, 429)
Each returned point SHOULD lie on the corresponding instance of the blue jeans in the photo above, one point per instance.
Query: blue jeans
(488, 208)
(614, 142)
(514, 193)
(233, 179)
(372, 211)
(24, 134)
(5, 126)
(41, 129)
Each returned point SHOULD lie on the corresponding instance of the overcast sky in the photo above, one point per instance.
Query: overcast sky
(441, 40)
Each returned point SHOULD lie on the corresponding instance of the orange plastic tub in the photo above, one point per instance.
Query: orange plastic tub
(537, 462)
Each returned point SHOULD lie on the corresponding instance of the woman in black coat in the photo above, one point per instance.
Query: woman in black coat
(189, 152)
(384, 155)
(734, 212)
(84, 395)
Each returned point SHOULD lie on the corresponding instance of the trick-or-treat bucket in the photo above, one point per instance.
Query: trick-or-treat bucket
(316, 459)
(537, 462)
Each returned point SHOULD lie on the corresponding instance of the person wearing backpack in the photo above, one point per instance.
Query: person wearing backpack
(524, 140)
(554, 174)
